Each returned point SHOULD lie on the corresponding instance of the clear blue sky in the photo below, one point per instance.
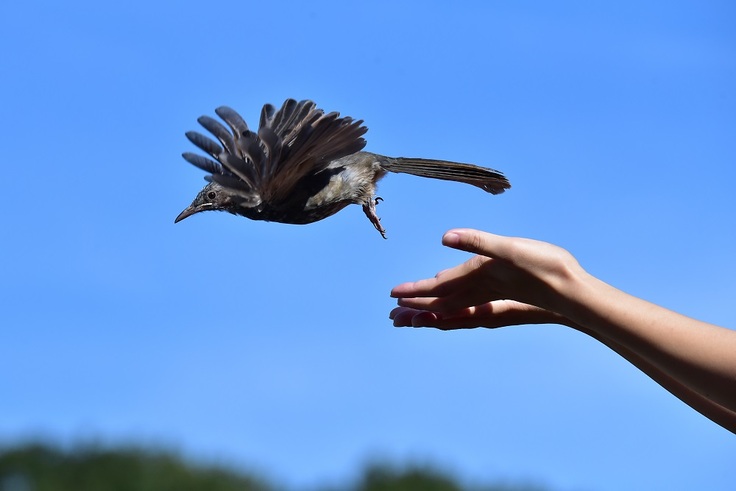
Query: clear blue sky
(269, 344)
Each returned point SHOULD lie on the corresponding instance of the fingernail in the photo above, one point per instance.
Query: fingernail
(451, 239)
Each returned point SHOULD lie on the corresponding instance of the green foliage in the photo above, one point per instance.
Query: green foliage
(37, 467)
(41, 468)
(385, 478)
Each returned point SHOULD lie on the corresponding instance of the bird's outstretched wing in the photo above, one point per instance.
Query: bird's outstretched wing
(292, 142)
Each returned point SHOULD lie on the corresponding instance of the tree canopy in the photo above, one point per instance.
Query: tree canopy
(42, 467)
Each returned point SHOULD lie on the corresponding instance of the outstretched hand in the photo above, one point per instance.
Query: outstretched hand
(513, 281)
(510, 281)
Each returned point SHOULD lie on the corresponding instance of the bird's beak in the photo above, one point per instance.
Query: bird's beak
(188, 211)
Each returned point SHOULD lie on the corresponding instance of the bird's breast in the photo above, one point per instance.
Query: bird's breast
(297, 215)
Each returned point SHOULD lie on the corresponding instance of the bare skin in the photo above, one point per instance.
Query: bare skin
(513, 281)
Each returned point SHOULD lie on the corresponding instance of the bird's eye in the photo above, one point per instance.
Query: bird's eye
(212, 195)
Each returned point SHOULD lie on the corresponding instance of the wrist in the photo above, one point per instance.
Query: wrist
(574, 291)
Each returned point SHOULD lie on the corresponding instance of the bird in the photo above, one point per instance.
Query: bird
(302, 165)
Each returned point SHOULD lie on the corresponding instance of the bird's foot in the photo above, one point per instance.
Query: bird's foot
(370, 211)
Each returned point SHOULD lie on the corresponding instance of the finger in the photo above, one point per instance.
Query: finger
(405, 317)
(414, 288)
(400, 314)
(478, 242)
(426, 319)
(467, 319)
(420, 303)
(419, 318)
(492, 315)
(430, 287)
(444, 283)
(457, 301)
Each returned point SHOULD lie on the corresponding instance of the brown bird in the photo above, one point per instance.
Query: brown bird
(303, 165)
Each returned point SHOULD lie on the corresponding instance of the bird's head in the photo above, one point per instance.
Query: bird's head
(220, 198)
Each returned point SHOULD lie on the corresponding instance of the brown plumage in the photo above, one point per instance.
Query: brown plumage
(303, 165)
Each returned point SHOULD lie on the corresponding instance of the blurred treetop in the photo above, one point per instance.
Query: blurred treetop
(40, 467)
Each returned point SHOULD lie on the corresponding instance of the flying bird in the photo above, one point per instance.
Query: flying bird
(303, 165)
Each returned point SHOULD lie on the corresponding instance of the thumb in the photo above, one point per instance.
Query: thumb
(476, 241)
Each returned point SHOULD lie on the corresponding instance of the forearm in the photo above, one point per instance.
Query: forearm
(708, 408)
(700, 356)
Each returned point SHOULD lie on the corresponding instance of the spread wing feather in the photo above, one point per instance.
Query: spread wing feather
(204, 143)
(292, 143)
(219, 131)
(203, 163)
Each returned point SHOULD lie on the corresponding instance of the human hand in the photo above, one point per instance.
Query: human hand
(520, 281)
(537, 276)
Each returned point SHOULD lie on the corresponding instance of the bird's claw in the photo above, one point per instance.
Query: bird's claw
(370, 211)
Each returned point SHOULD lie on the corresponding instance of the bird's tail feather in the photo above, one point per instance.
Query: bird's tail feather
(489, 180)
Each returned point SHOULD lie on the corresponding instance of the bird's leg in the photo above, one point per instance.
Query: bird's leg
(370, 211)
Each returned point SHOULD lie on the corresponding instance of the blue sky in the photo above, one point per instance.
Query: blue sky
(269, 345)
